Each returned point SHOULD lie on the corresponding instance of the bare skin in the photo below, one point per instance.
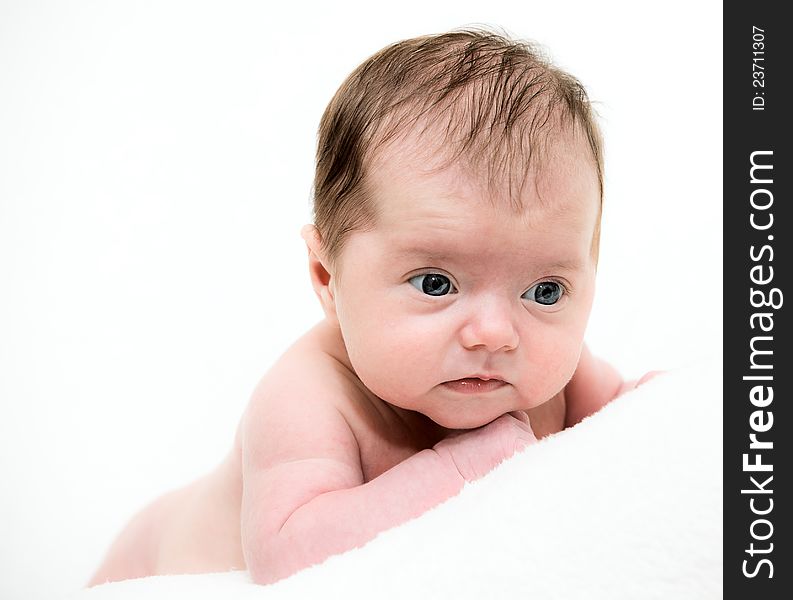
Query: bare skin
(196, 529)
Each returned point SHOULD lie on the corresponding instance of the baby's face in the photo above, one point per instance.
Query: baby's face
(458, 307)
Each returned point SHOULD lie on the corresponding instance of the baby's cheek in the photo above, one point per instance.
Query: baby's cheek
(403, 364)
(551, 372)
(381, 366)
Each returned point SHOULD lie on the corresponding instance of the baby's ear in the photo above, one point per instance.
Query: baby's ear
(319, 270)
(310, 235)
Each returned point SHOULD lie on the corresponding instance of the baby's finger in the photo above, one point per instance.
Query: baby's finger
(648, 376)
(525, 439)
(521, 415)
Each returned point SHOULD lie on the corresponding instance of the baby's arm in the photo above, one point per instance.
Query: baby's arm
(594, 384)
(304, 496)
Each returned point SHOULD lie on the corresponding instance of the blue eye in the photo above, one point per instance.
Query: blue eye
(546, 293)
(432, 284)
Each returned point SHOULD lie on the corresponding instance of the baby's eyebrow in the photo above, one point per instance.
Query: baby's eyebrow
(565, 265)
(423, 252)
(442, 255)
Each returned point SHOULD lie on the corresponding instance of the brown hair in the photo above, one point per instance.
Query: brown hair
(497, 101)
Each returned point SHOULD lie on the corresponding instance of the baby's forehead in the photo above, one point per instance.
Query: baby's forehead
(414, 173)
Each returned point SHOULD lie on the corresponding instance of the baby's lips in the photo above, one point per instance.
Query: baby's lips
(475, 385)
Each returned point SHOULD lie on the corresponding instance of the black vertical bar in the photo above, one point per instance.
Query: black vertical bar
(758, 64)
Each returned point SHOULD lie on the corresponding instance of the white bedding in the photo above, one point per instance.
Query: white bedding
(628, 504)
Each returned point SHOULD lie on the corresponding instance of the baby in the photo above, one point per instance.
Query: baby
(457, 208)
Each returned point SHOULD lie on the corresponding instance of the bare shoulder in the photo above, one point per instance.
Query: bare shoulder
(297, 409)
(296, 443)
(312, 409)
(594, 384)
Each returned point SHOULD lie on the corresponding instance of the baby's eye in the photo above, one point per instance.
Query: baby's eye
(545, 292)
(432, 284)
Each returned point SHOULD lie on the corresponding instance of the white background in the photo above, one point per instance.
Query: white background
(155, 169)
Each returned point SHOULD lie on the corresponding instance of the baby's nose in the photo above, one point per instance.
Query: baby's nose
(491, 326)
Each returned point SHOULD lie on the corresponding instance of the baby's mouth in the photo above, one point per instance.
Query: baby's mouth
(474, 385)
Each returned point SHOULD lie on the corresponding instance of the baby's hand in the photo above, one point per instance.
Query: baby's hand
(632, 385)
(477, 451)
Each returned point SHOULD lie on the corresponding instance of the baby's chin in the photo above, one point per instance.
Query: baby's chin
(468, 420)
(447, 418)
(467, 412)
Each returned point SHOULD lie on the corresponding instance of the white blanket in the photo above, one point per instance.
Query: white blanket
(627, 504)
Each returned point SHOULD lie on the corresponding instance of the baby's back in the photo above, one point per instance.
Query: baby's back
(200, 524)
(194, 529)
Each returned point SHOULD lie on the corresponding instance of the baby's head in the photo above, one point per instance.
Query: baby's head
(457, 208)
